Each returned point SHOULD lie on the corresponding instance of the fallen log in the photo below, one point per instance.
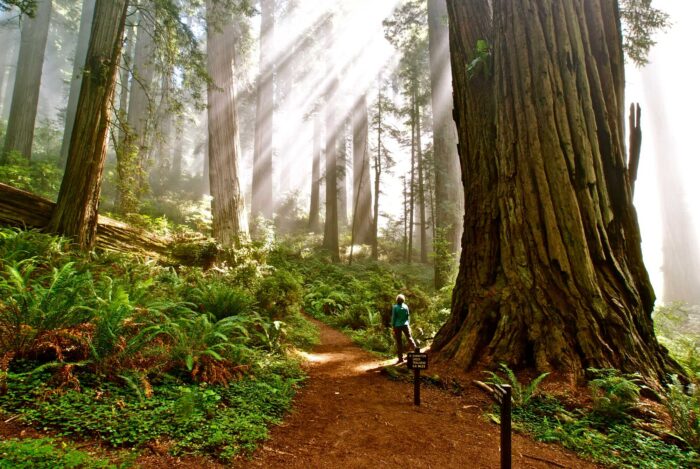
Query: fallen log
(26, 210)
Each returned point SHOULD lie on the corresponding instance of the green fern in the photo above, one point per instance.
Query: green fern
(521, 394)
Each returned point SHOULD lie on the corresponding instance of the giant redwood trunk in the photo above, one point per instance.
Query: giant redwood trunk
(330, 229)
(229, 223)
(25, 95)
(75, 214)
(551, 273)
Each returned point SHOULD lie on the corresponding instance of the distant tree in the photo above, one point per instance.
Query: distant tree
(342, 142)
(25, 96)
(315, 203)
(330, 232)
(551, 273)
(133, 148)
(86, 17)
(76, 211)
(449, 200)
(262, 202)
(8, 62)
(230, 226)
(362, 189)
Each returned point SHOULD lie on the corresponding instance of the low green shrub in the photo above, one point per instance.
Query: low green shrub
(614, 394)
(280, 294)
(46, 453)
(684, 410)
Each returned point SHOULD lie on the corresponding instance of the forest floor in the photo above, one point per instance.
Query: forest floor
(350, 415)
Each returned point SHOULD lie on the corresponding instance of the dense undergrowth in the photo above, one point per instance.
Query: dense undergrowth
(126, 351)
(357, 298)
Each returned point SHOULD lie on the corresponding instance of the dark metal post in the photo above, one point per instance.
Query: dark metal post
(506, 428)
(416, 383)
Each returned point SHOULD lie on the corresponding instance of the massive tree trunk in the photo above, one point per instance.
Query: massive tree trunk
(551, 273)
(315, 208)
(75, 214)
(228, 207)
(25, 95)
(86, 17)
(449, 199)
(133, 151)
(262, 203)
(362, 191)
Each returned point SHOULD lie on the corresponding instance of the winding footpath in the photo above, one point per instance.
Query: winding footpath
(350, 416)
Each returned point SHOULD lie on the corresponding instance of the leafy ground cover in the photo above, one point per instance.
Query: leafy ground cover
(128, 352)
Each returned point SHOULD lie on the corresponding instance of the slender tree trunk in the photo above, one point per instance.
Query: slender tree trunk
(449, 198)
(421, 189)
(551, 274)
(377, 177)
(262, 203)
(315, 208)
(341, 141)
(7, 69)
(362, 191)
(330, 232)
(412, 185)
(405, 219)
(229, 224)
(88, 12)
(25, 95)
(76, 210)
(131, 160)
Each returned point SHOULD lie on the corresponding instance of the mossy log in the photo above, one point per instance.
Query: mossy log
(24, 209)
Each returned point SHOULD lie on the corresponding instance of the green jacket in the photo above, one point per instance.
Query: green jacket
(399, 315)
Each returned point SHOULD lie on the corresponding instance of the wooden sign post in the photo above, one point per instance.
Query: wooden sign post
(503, 395)
(417, 361)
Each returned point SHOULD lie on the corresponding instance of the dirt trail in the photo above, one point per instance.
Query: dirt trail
(350, 416)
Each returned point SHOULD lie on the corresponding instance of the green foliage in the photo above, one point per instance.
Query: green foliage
(46, 453)
(199, 419)
(220, 299)
(481, 63)
(521, 394)
(614, 445)
(40, 175)
(614, 394)
(640, 22)
(280, 294)
(673, 325)
(684, 410)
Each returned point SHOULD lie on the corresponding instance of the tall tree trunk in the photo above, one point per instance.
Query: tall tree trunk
(449, 198)
(88, 12)
(421, 189)
(7, 68)
(330, 232)
(131, 160)
(362, 192)
(412, 184)
(341, 141)
(405, 219)
(377, 177)
(262, 203)
(230, 226)
(551, 274)
(681, 257)
(315, 208)
(25, 95)
(76, 209)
